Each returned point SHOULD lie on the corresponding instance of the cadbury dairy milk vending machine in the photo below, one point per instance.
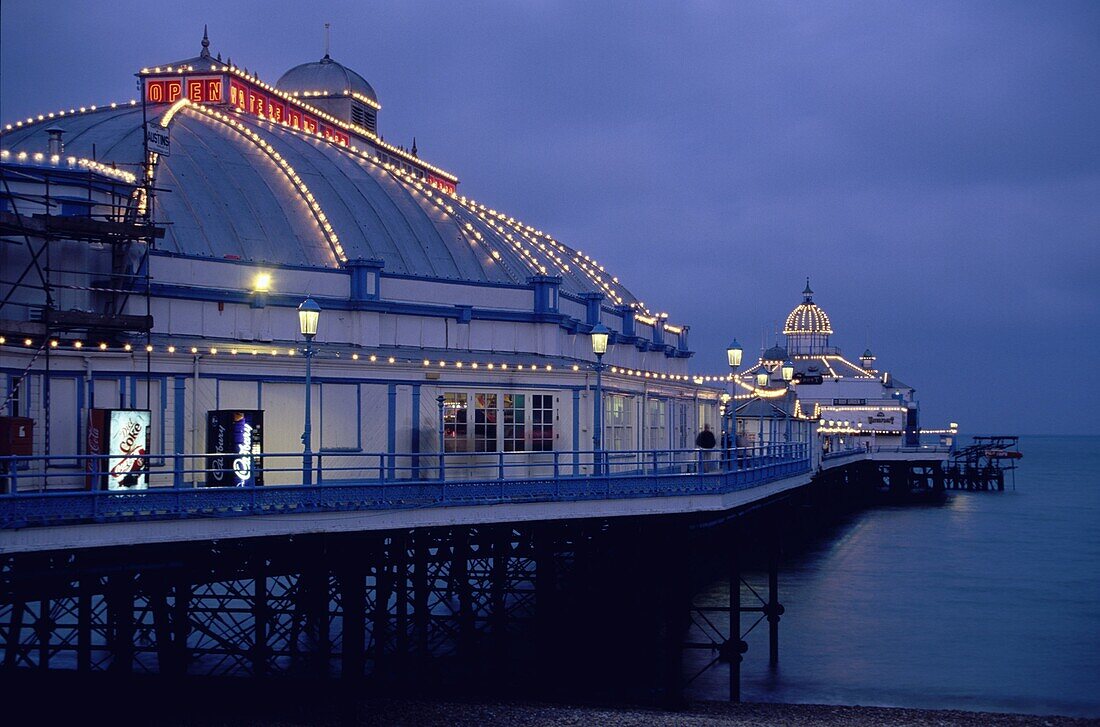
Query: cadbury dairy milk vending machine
(235, 441)
(123, 435)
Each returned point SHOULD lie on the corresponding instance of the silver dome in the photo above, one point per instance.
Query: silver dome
(325, 76)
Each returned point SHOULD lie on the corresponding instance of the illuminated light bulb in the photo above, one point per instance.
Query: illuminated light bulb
(392, 359)
(355, 357)
(148, 348)
(53, 343)
(427, 362)
(171, 349)
(26, 341)
(233, 351)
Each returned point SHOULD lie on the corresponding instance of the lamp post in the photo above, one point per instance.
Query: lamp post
(309, 313)
(763, 376)
(788, 376)
(734, 351)
(599, 335)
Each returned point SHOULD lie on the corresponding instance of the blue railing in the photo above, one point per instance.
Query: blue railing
(58, 490)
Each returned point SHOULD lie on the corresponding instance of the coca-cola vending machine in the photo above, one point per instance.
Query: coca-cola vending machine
(123, 435)
(235, 438)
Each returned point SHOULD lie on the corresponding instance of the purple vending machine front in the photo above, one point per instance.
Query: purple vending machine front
(234, 439)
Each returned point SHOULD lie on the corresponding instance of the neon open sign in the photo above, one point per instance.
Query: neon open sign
(242, 96)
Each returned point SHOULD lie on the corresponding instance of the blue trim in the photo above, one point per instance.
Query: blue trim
(178, 411)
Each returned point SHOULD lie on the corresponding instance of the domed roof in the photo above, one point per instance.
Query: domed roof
(807, 318)
(327, 77)
(775, 353)
(227, 198)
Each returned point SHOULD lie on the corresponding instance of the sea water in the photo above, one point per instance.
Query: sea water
(990, 601)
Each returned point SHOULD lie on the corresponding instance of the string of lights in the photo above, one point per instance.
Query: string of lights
(72, 162)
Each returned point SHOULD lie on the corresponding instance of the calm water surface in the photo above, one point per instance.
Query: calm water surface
(989, 602)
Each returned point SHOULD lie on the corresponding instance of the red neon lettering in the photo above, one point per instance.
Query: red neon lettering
(194, 91)
(154, 91)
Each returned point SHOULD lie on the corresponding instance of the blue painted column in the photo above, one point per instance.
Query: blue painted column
(576, 431)
(391, 427)
(179, 396)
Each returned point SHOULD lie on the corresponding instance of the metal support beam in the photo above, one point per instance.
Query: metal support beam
(775, 610)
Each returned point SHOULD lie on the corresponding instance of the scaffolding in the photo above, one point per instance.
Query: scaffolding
(74, 242)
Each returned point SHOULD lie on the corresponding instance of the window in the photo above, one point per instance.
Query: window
(501, 422)
(542, 422)
(618, 422)
(75, 208)
(455, 428)
(655, 424)
(514, 415)
(485, 423)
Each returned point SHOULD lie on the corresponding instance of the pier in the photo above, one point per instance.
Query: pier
(434, 583)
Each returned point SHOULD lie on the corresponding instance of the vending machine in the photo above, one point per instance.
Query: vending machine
(235, 441)
(123, 435)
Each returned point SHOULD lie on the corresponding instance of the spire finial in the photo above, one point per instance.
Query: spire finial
(205, 43)
(328, 27)
(808, 293)
(413, 150)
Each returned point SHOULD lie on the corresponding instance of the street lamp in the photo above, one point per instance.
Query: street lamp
(733, 357)
(788, 370)
(599, 336)
(762, 377)
(733, 354)
(309, 313)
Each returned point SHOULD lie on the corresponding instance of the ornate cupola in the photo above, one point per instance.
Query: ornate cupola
(868, 360)
(807, 328)
(335, 89)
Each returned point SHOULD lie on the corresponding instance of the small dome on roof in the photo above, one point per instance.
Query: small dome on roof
(326, 77)
(775, 353)
(867, 354)
(807, 318)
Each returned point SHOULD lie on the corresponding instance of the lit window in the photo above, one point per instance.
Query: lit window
(485, 423)
(514, 415)
(455, 429)
(542, 422)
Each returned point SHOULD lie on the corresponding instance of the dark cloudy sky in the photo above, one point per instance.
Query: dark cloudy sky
(933, 166)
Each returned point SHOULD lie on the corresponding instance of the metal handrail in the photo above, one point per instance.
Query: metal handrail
(378, 481)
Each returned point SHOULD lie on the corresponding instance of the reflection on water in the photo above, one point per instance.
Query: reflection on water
(990, 602)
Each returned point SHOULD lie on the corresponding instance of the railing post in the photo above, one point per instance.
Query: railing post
(500, 466)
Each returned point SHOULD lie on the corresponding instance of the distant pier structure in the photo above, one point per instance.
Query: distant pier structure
(982, 465)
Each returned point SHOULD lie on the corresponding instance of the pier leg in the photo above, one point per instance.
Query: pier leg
(383, 589)
(121, 604)
(421, 588)
(733, 646)
(354, 597)
(774, 609)
(83, 624)
(261, 617)
(460, 582)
